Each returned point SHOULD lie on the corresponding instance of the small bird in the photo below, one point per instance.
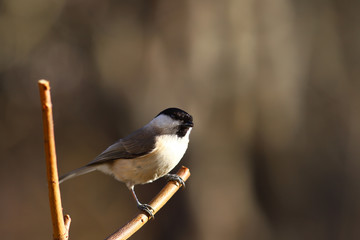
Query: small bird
(145, 155)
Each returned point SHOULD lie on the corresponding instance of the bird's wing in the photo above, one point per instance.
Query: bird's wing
(137, 144)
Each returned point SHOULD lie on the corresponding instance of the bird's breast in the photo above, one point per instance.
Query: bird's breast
(168, 151)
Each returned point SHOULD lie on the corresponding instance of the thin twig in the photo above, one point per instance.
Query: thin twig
(60, 227)
(158, 202)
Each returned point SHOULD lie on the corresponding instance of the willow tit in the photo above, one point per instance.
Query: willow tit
(145, 155)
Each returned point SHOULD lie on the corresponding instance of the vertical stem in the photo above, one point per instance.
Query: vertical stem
(60, 232)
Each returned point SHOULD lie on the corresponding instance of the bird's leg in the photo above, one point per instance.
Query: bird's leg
(176, 178)
(143, 207)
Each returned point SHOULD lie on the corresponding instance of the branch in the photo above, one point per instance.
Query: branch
(157, 203)
(60, 227)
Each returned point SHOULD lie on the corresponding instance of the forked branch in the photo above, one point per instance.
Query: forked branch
(61, 225)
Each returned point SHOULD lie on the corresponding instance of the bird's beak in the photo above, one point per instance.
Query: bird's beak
(189, 124)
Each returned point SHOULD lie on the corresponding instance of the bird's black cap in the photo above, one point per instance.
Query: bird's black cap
(178, 114)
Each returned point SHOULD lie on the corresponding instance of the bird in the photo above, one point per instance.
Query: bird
(146, 154)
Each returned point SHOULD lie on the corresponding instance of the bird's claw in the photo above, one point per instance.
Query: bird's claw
(176, 178)
(147, 209)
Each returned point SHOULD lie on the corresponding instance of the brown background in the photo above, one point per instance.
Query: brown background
(273, 87)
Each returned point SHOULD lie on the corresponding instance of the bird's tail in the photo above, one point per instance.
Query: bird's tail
(77, 172)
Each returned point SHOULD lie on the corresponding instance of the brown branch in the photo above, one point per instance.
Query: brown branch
(60, 227)
(158, 202)
(60, 223)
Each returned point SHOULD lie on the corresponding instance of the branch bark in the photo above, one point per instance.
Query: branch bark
(60, 224)
(157, 203)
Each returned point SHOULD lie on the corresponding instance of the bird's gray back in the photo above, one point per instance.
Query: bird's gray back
(137, 144)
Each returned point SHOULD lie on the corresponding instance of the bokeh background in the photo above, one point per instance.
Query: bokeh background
(273, 87)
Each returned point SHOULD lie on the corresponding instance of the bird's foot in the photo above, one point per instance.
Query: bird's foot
(176, 178)
(147, 209)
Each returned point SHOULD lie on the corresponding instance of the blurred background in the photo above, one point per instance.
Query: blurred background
(273, 87)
